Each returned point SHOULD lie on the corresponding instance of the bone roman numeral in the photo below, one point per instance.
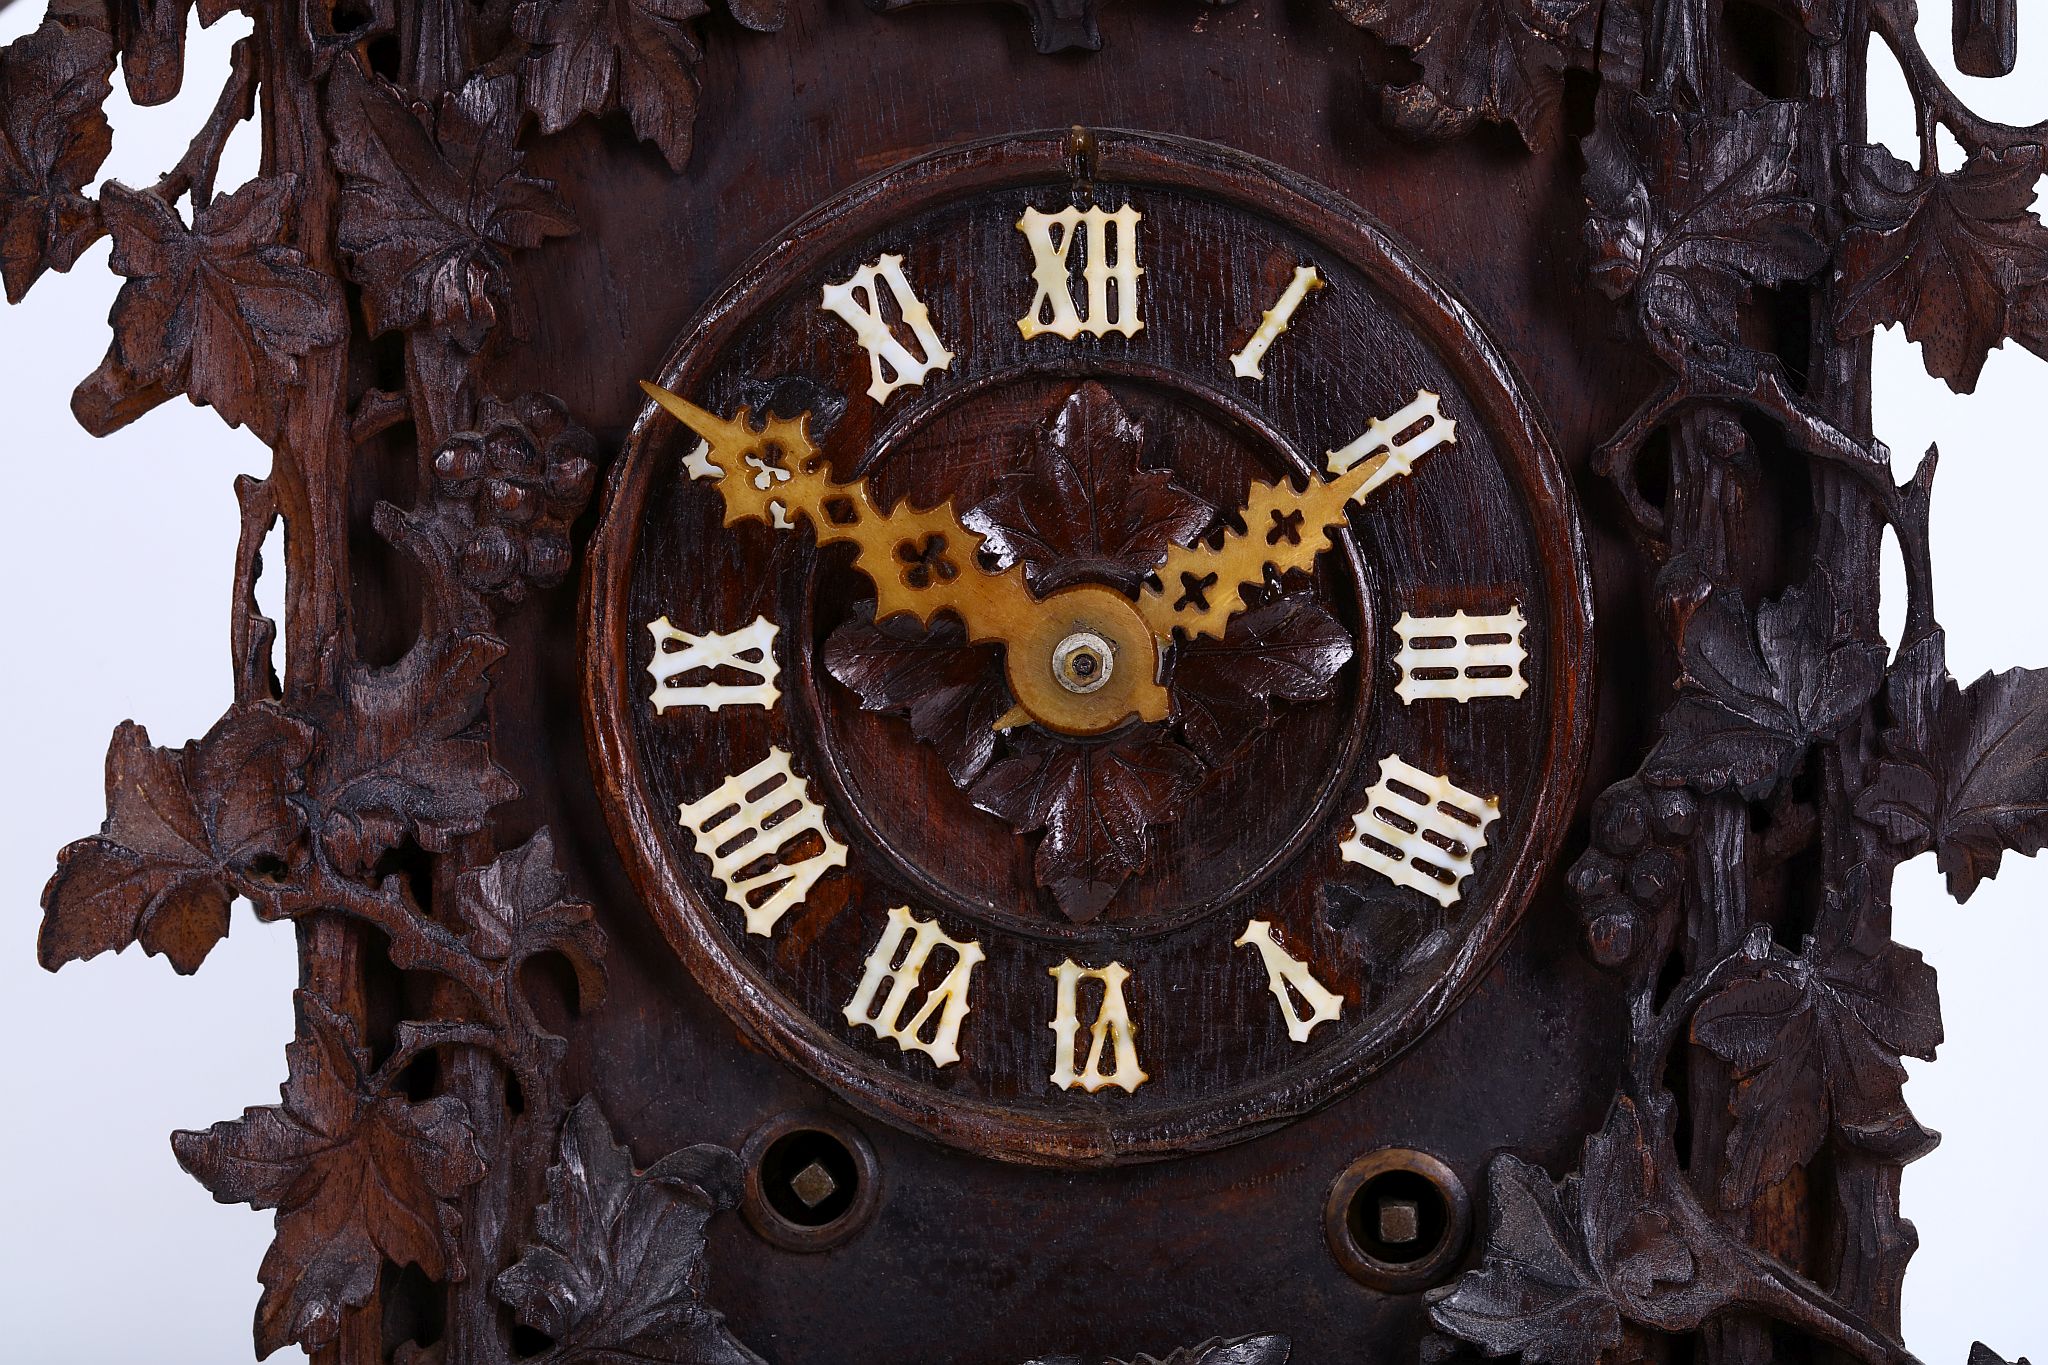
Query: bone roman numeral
(1113, 1033)
(746, 824)
(1392, 435)
(749, 650)
(858, 303)
(1248, 363)
(946, 1002)
(1289, 978)
(1420, 831)
(1111, 260)
(1461, 657)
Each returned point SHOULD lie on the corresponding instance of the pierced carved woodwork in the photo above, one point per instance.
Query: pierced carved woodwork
(430, 304)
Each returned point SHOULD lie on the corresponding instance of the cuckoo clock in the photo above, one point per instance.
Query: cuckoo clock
(1076, 683)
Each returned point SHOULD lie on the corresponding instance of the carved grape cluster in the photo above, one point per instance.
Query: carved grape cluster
(507, 492)
(1633, 868)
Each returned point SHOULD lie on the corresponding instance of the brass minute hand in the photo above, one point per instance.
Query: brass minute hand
(1200, 588)
(1080, 661)
(921, 562)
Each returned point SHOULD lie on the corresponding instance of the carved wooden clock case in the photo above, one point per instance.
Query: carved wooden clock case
(1156, 682)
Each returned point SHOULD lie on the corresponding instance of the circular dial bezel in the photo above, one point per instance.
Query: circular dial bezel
(615, 681)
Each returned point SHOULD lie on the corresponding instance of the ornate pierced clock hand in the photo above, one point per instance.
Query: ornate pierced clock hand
(1199, 587)
(1080, 661)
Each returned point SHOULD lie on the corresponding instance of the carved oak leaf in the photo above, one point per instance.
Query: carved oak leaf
(1965, 770)
(593, 57)
(616, 1274)
(53, 136)
(187, 831)
(951, 692)
(1083, 506)
(221, 312)
(1815, 1042)
(1288, 648)
(432, 199)
(1947, 255)
(399, 754)
(1094, 802)
(519, 906)
(358, 1175)
(1501, 60)
(1757, 694)
(1688, 214)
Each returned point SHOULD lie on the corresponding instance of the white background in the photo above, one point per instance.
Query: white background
(117, 563)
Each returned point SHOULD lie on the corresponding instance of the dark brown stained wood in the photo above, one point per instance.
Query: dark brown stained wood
(1482, 525)
(1638, 248)
(1987, 38)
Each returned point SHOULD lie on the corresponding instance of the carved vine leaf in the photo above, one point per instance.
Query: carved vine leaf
(432, 199)
(1258, 1350)
(1502, 60)
(53, 136)
(358, 1175)
(1288, 648)
(519, 906)
(1083, 505)
(222, 311)
(1815, 1041)
(187, 831)
(1688, 214)
(594, 57)
(1536, 1294)
(399, 754)
(1948, 255)
(1094, 802)
(1757, 693)
(1575, 1270)
(616, 1273)
(1965, 770)
(950, 691)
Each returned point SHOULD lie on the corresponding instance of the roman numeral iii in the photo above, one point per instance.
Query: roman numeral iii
(1460, 657)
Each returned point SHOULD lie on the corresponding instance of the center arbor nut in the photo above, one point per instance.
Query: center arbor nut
(1082, 663)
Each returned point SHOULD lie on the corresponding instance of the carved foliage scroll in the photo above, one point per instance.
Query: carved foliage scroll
(1789, 738)
(1085, 502)
(350, 797)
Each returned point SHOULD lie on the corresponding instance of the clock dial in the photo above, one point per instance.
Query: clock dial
(1089, 659)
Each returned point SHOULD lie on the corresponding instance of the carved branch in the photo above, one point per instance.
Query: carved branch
(198, 167)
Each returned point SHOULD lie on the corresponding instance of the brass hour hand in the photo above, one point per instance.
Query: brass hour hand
(1080, 661)
(1199, 588)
